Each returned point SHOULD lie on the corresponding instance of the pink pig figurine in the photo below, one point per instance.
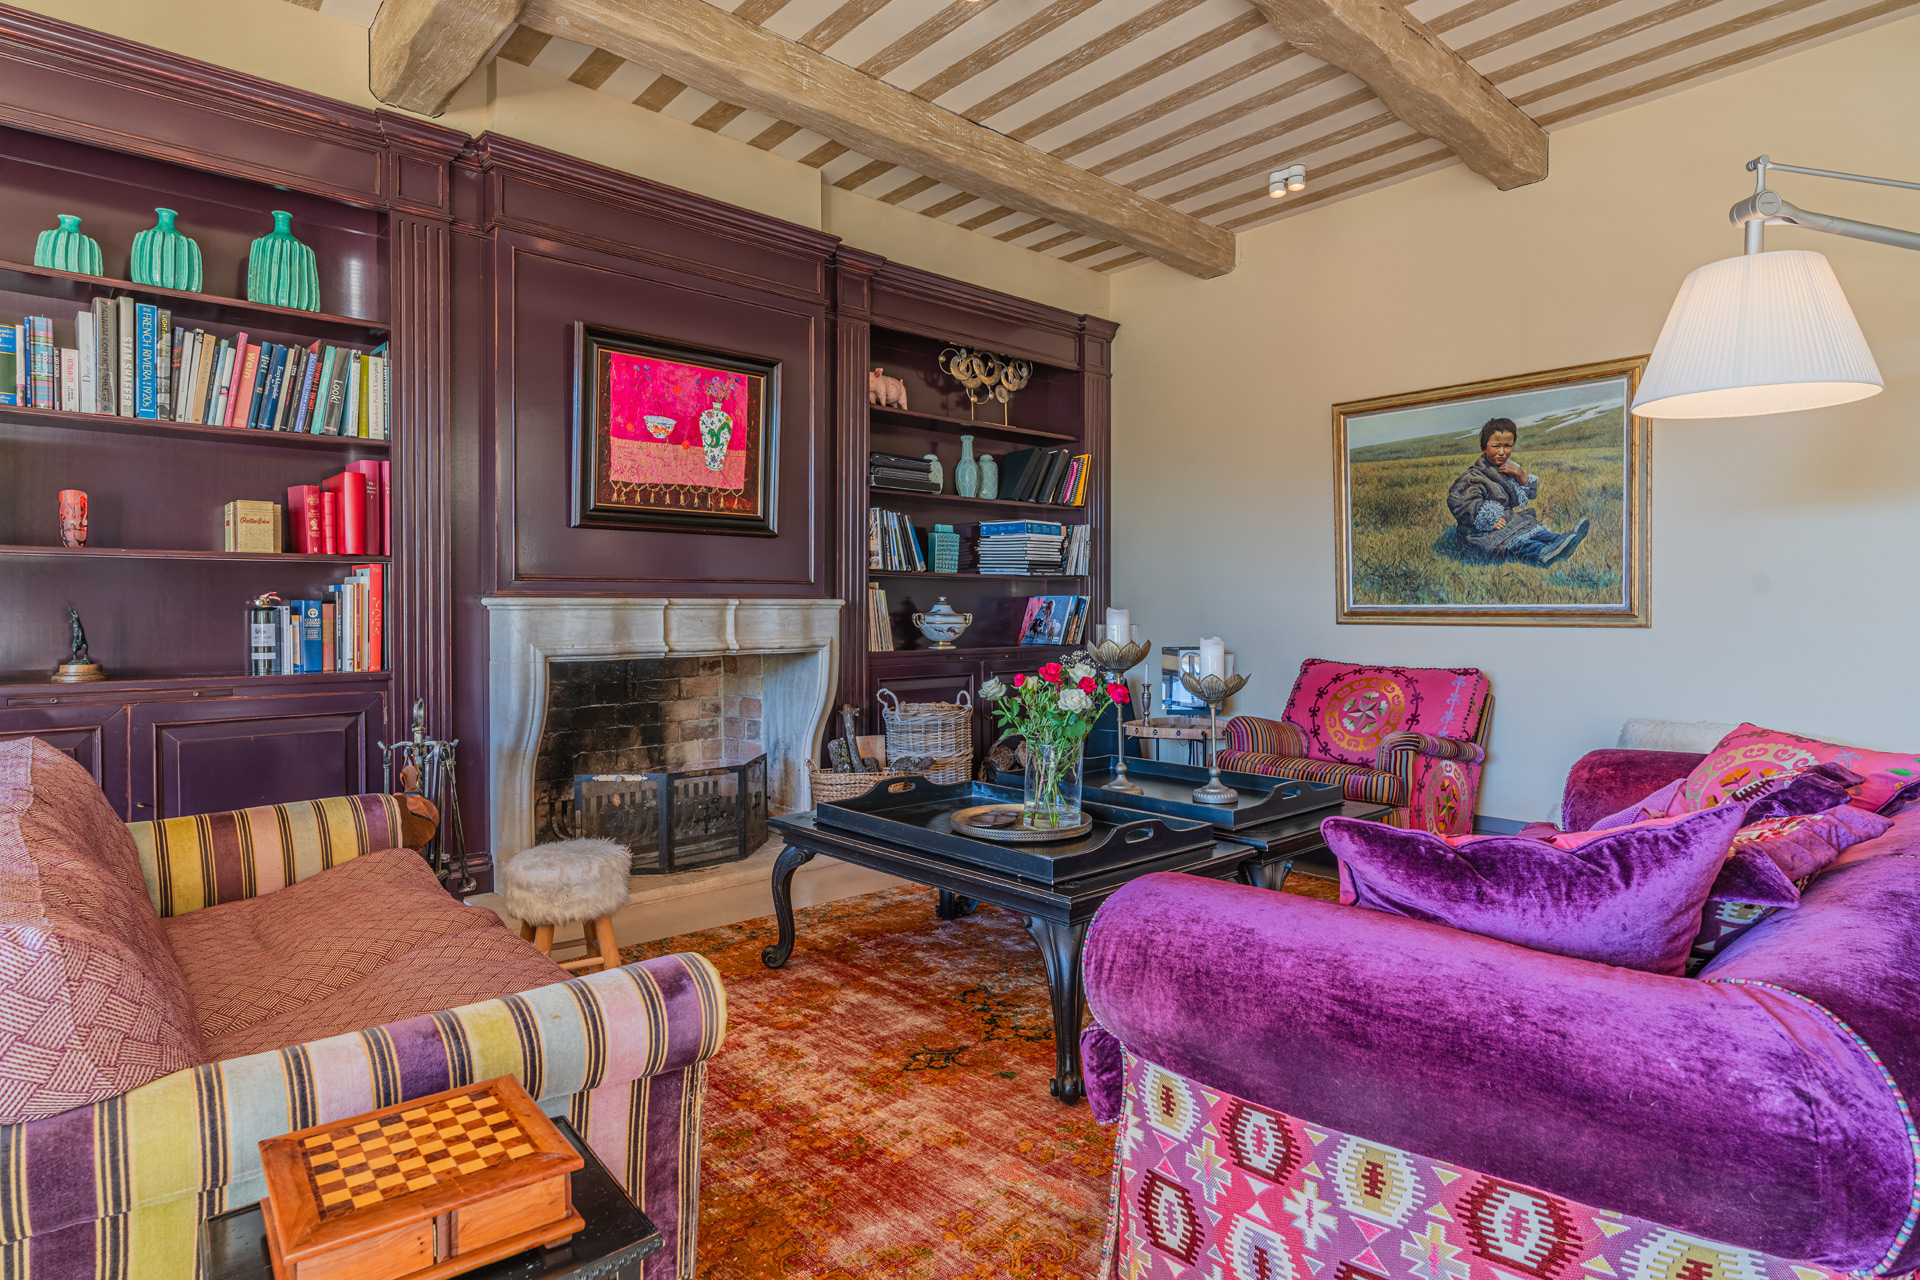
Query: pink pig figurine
(888, 393)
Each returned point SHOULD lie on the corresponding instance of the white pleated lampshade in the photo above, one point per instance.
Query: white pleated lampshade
(1761, 333)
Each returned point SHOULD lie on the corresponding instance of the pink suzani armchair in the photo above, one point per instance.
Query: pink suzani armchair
(1410, 737)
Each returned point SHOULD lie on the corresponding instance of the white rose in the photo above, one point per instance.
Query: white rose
(1077, 672)
(1074, 700)
(993, 690)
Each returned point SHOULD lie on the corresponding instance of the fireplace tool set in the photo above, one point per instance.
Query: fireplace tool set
(427, 768)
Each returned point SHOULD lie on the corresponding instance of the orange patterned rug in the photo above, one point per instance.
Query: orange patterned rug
(880, 1106)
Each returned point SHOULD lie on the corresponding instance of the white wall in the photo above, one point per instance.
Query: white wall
(1784, 549)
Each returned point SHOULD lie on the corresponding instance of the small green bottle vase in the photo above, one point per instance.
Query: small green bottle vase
(67, 248)
(164, 257)
(281, 271)
(966, 476)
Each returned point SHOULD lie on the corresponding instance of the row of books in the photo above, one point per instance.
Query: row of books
(891, 471)
(1055, 476)
(350, 514)
(344, 630)
(129, 361)
(892, 543)
(879, 622)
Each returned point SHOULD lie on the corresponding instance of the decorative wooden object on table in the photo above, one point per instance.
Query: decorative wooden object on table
(427, 1189)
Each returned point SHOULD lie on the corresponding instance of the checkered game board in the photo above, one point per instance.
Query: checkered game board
(392, 1155)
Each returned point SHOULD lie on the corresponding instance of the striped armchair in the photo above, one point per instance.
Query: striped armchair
(1411, 737)
(119, 1188)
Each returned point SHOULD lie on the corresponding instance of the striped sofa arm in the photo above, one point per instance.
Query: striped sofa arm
(1257, 735)
(196, 862)
(118, 1189)
(1442, 780)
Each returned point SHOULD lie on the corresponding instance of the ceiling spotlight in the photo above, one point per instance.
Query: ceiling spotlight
(1291, 178)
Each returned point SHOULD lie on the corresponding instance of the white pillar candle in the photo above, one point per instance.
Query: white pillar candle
(1119, 627)
(1213, 657)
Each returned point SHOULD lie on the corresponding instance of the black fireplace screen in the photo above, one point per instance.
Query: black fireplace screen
(680, 820)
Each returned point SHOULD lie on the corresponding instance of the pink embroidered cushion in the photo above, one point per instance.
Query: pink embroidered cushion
(91, 1001)
(1750, 754)
(1346, 711)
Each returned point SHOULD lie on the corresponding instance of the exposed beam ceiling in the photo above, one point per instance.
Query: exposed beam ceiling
(1422, 81)
(740, 63)
(420, 51)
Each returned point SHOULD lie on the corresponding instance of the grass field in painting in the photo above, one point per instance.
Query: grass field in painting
(1405, 550)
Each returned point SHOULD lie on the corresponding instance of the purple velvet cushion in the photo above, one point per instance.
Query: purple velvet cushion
(1900, 799)
(1653, 806)
(1602, 781)
(1630, 897)
(1815, 789)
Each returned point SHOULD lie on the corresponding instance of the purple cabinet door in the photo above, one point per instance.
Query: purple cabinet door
(96, 736)
(235, 753)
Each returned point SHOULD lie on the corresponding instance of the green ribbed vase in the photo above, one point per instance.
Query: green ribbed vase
(67, 248)
(281, 271)
(163, 256)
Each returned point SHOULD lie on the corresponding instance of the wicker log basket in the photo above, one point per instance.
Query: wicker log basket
(943, 730)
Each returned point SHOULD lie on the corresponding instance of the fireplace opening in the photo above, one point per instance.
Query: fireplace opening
(618, 729)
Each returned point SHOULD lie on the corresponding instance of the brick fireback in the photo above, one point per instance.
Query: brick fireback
(637, 715)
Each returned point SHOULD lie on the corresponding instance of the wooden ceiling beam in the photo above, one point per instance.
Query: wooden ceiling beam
(1419, 79)
(420, 51)
(739, 63)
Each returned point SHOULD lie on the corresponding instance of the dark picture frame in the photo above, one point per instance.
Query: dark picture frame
(678, 470)
(1402, 553)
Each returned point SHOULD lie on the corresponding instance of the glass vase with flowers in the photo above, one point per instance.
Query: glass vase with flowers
(1053, 710)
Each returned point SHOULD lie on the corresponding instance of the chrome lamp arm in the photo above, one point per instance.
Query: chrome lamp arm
(1765, 207)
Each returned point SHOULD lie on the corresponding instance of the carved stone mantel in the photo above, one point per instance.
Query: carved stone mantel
(525, 633)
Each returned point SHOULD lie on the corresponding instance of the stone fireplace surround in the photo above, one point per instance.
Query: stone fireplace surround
(798, 641)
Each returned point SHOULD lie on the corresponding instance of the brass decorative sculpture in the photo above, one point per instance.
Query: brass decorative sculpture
(1115, 659)
(78, 668)
(984, 375)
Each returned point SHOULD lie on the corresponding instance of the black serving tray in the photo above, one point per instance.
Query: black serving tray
(918, 814)
(1167, 788)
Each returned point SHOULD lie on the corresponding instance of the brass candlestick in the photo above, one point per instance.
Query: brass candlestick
(1213, 691)
(1115, 659)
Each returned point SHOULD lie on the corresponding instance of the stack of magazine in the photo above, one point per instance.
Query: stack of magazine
(891, 471)
(1022, 547)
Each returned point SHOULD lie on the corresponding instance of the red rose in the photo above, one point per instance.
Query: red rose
(1052, 672)
(1088, 684)
(1118, 692)
(1019, 680)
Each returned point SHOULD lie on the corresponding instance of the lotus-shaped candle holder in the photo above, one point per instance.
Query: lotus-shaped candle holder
(1213, 690)
(1116, 659)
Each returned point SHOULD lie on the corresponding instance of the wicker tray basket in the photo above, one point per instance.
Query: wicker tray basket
(827, 785)
(943, 730)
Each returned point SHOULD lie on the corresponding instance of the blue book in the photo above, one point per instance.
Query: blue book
(276, 378)
(313, 653)
(9, 361)
(146, 385)
(1021, 526)
(261, 367)
(309, 366)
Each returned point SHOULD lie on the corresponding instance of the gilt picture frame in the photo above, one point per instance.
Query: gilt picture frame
(1519, 501)
(672, 437)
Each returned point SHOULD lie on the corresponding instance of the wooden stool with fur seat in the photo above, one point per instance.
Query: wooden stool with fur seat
(569, 881)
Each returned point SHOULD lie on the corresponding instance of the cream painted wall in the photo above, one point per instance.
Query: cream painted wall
(310, 50)
(1783, 574)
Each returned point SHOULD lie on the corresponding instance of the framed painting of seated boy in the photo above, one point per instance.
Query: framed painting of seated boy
(668, 437)
(1517, 501)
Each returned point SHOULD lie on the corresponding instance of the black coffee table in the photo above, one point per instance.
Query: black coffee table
(613, 1244)
(1056, 915)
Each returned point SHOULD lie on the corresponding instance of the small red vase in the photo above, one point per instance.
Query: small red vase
(73, 517)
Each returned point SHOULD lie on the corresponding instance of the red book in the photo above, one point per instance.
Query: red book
(370, 468)
(329, 523)
(350, 496)
(373, 626)
(386, 508)
(303, 517)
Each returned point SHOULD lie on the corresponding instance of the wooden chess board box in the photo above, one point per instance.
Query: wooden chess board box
(420, 1191)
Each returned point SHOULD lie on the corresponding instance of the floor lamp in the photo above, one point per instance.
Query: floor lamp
(1767, 332)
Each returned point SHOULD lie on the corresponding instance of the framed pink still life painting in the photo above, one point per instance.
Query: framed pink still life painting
(670, 437)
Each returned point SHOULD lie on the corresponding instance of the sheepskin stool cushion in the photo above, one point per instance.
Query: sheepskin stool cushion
(569, 881)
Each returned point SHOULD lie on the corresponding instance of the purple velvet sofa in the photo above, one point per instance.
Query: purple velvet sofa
(1309, 1090)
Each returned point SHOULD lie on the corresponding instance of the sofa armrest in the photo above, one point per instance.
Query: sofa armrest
(1395, 754)
(211, 858)
(192, 1137)
(1257, 735)
(1604, 782)
(1731, 1111)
